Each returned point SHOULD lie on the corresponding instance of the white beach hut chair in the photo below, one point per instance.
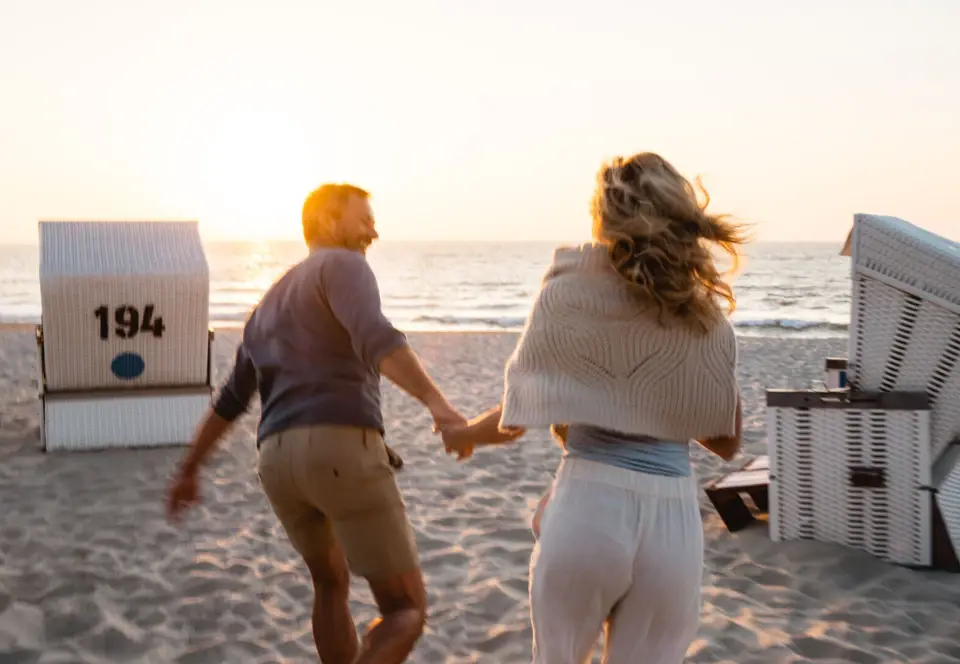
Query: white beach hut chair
(124, 338)
(857, 466)
(905, 317)
(905, 335)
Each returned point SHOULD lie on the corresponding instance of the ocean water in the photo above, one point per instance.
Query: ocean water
(782, 290)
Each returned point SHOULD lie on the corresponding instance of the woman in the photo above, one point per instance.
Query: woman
(627, 355)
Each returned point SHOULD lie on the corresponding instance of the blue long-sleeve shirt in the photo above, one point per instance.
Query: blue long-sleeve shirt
(312, 348)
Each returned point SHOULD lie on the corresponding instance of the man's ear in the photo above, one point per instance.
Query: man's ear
(329, 221)
(326, 221)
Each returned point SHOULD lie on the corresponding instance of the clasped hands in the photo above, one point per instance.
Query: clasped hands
(461, 436)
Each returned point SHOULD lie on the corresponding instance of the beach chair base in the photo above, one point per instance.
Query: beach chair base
(852, 468)
(727, 493)
(136, 417)
(122, 419)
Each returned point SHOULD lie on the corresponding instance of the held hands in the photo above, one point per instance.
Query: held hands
(457, 439)
(446, 417)
(461, 438)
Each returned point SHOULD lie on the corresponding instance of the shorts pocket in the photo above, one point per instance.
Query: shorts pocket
(341, 453)
(376, 457)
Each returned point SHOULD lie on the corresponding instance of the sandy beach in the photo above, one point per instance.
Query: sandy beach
(91, 572)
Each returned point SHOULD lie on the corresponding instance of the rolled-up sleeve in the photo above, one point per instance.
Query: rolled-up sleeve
(238, 391)
(350, 288)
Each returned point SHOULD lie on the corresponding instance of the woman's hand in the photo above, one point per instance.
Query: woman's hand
(559, 433)
(726, 447)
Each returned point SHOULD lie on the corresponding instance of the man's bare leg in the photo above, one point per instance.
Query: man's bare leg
(333, 629)
(402, 601)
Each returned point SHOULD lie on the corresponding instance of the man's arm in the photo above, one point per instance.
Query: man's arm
(351, 290)
(232, 402)
(402, 367)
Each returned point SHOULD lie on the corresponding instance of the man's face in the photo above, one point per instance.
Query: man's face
(356, 228)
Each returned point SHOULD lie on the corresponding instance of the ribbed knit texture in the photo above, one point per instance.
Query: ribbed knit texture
(593, 353)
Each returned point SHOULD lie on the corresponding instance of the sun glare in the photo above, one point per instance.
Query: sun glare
(254, 170)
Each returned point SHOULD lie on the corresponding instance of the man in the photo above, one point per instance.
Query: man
(315, 347)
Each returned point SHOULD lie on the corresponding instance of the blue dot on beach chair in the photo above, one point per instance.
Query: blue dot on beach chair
(127, 366)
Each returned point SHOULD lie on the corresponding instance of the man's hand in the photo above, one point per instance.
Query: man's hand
(184, 492)
(457, 439)
(445, 416)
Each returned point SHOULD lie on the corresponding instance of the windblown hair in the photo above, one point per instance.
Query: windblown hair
(660, 237)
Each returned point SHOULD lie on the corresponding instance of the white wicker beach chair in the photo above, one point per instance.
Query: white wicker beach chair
(124, 338)
(852, 469)
(876, 465)
(905, 318)
(905, 333)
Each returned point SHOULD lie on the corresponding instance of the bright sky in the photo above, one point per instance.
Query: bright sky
(475, 120)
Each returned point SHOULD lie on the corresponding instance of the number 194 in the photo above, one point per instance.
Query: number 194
(128, 321)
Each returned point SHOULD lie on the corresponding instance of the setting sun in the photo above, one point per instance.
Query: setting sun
(253, 169)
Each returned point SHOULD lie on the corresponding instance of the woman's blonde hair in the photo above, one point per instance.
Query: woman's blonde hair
(660, 234)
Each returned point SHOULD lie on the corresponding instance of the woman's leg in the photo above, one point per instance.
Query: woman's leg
(580, 567)
(657, 619)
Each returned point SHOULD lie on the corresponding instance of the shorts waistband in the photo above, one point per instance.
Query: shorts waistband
(361, 433)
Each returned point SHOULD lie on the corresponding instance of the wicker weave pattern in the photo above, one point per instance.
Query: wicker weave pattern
(904, 343)
(95, 423)
(87, 265)
(813, 453)
(908, 255)
(905, 332)
(791, 492)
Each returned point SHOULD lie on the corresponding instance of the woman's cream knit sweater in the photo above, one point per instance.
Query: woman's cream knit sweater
(592, 353)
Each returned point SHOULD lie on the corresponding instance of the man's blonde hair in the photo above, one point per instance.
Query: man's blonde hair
(326, 201)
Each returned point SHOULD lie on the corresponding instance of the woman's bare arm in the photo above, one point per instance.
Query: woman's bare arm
(726, 447)
(481, 430)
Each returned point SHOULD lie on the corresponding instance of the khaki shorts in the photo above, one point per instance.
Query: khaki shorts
(334, 483)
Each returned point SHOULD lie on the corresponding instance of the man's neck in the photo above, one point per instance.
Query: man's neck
(325, 244)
